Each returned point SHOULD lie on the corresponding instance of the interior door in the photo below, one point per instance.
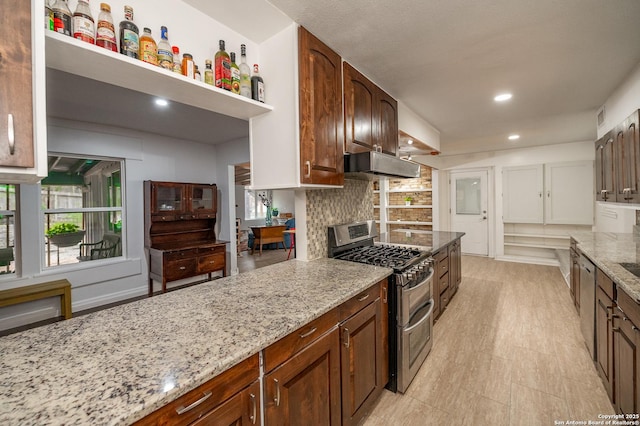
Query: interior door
(469, 212)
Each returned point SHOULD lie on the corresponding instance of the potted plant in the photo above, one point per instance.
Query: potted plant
(407, 200)
(65, 234)
(275, 211)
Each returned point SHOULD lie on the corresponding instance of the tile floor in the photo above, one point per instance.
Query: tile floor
(507, 351)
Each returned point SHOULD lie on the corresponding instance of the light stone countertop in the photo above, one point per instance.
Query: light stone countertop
(115, 366)
(427, 240)
(607, 250)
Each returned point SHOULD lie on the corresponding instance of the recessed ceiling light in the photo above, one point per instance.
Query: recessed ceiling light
(514, 137)
(410, 141)
(503, 97)
(162, 102)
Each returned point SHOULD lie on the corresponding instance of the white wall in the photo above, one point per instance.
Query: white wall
(410, 123)
(622, 102)
(147, 157)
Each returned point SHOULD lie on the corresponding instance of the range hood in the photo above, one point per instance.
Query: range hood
(377, 163)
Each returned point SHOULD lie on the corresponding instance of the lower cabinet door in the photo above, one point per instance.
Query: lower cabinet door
(241, 410)
(604, 337)
(305, 389)
(627, 359)
(362, 359)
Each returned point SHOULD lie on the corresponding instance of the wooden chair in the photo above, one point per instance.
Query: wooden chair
(109, 246)
(267, 235)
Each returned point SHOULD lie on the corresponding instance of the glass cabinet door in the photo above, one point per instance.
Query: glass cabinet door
(203, 198)
(169, 198)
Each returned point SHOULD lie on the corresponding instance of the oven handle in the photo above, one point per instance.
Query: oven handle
(421, 283)
(421, 320)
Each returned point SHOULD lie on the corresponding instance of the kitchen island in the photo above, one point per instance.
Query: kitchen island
(116, 366)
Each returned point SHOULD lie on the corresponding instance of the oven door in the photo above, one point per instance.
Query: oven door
(414, 344)
(411, 297)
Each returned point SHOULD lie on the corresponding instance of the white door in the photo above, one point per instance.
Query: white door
(469, 210)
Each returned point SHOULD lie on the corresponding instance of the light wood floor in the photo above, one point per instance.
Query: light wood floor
(249, 262)
(507, 351)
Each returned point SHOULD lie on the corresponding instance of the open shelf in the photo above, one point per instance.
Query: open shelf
(561, 237)
(407, 222)
(73, 56)
(377, 191)
(541, 246)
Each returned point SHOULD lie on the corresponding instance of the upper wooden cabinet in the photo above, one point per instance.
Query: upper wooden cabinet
(321, 134)
(370, 115)
(22, 160)
(627, 145)
(605, 171)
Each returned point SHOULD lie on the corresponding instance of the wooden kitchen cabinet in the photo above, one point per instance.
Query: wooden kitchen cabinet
(605, 168)
(626, 349)
(370, 115)
(305, 389)
(455, 267)
(321, 125)
(440, 281)
(181, 201)
(627, 143)
(222, 400)
(604, 330)
(362, 361)
(22, 123)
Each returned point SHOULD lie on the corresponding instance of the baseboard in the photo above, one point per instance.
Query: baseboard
(106, 299)
(29, 317)
(529, 260)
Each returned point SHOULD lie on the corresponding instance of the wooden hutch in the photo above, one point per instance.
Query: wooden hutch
(179, 222)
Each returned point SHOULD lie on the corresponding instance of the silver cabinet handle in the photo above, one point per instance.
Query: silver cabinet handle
(307, 164)
(277, 398)
(540, 194)
(385, 294)
(11, 134)
(347, 337)
(182, 409)
(182, 268)
(363, 298)
(548, 194)
(212, 262)
(309, 333)
(254, 409)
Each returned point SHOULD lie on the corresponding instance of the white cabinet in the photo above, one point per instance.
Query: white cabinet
(554, 193)
(522, 193)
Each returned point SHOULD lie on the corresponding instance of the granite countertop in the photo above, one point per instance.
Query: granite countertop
(607, 250)
(115, 366)
(431, 241)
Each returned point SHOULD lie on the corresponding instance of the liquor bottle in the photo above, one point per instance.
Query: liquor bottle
(106, 33)
(223, 68)
(245, 73)
(83, 24)
(235, 75)
(148, 47)
(188, 67)
(197, 74)
(61, 17)
(165, 53)
(208, 73)
(177, 64)
(129, 35)
(257, 85)
(48, 16)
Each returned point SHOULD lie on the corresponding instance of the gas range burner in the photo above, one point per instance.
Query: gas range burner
(386, 256)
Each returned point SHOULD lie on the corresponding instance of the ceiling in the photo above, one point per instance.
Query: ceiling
(446, 60)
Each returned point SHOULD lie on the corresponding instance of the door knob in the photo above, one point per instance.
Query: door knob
(484, 218)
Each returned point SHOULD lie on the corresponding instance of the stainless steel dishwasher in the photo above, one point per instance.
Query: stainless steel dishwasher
(588, 302)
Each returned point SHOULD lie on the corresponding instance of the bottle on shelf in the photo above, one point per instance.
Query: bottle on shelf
(197, 74)
(129, 35)
(177, 64)
(83, 24)
(48, 16)
(245, 73)
(223, 68)
(208, 73)
(106, 32)
(235, 75)
(61, 17)
(165, 53)
(148, 48)
(188, 67)
(257, 85)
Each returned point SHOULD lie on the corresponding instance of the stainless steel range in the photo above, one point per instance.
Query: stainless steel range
(410, 304)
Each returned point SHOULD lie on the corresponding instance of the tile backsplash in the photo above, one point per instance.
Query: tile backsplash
(326, 207)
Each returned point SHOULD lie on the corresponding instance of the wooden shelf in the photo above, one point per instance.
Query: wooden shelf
(73, 56)
(407, 222)
(536, 246)
(562, 237)
(377, 191)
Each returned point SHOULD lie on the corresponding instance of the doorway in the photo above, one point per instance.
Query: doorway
(469, 212)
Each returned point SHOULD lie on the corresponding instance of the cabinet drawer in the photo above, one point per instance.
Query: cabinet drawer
(183, 254)
(211, 394)
(209, 250)
(605, 283)
(358, 302)
(444, 300)
(210, 263)
(164, 217)
(442, 263)
(443, 283)
(205, 216)
(289, 345)
(177, 269)
(630, 308)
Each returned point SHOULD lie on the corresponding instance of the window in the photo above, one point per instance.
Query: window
(254, 207)
(82, 205)
(7, 228)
